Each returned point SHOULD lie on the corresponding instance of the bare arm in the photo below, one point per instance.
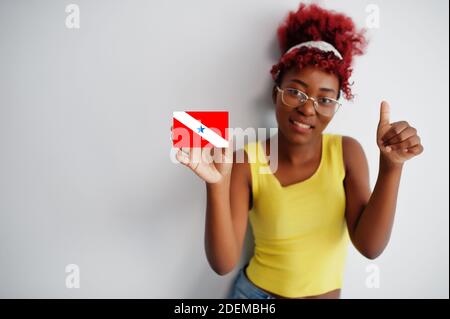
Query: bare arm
(370, 216)
(226, 219)
(228, 193)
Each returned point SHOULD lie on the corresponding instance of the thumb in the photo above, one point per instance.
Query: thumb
(385, 111)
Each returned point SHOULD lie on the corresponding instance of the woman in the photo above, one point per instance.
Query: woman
(304, 214)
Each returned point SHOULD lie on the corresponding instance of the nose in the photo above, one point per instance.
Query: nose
(307, 108)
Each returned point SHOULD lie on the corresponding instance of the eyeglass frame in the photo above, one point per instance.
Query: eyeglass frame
(315, 103)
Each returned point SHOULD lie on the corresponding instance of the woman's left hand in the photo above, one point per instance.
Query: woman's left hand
(398, 141)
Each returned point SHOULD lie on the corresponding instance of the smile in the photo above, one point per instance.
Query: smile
(300, 124)
(300, 127)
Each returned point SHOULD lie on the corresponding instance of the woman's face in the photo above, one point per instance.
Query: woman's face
(315, 83)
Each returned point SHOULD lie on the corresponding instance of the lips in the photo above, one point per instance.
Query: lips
(301, 123)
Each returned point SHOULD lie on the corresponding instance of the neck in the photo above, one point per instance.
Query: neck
(298, 153)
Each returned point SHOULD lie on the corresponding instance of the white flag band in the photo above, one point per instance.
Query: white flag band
(207, 133)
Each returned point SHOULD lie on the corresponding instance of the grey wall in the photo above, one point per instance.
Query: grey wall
(85, 175)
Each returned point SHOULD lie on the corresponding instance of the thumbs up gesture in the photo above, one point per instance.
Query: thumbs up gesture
(398, 141)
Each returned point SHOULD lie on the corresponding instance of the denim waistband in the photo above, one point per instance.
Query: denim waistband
(243, 288)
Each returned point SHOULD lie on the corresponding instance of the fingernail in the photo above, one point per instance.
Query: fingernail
(388, 149)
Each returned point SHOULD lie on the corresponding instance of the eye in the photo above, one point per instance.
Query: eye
(298, 94)
(326, 101)
(293, 92)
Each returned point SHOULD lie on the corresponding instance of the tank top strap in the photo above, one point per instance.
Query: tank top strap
(334, 154)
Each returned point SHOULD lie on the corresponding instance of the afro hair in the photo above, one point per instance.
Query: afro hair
(313, 23)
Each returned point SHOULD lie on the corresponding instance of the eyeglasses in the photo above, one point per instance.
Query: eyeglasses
(325, 106)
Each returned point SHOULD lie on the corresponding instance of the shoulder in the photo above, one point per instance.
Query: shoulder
(350, 143)
(353, 152)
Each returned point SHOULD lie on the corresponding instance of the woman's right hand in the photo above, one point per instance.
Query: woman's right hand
(212, 165)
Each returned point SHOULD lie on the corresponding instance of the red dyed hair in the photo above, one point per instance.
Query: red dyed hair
(313, 23)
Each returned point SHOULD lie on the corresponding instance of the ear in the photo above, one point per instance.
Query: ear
(274, 94)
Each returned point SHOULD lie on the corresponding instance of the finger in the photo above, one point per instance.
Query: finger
(186, 150)
(222, 154)
(182, 157)
(217, 154)
(405, 144)
(187, 156)
(416, 149)
(402, 136)
(194, 153)
(208, 154)
(385, 111)
(396, 129)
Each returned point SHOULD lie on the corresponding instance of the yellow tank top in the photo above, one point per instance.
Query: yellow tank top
(300, 232)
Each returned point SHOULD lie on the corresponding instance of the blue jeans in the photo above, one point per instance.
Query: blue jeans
(243, 288)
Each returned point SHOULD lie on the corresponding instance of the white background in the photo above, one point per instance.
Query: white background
(85, 175)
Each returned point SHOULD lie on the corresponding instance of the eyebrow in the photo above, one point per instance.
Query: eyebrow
(306, 86)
